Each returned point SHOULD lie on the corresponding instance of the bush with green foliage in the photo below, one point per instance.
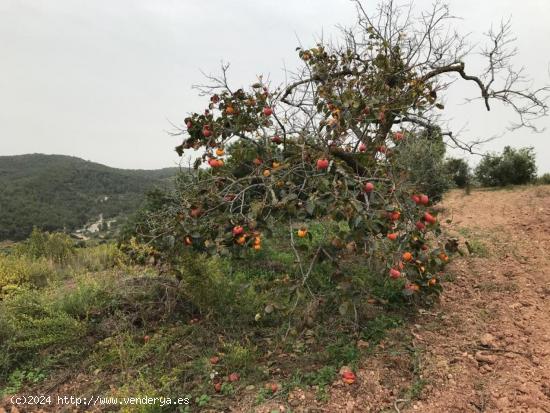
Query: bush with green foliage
(512, 167)
(544, 179)
(56, 247)
(458, 171)
(29, 324)
(422, 159)
(98, 258)
(18, 272)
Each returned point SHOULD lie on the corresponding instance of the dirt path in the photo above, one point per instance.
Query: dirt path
(488, 348)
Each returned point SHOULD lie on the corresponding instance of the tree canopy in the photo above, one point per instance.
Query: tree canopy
(330, 143)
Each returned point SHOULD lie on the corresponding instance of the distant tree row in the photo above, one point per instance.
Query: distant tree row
(511, 167)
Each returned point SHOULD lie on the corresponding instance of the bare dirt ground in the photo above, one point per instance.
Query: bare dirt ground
(493, 352)
(486, 346)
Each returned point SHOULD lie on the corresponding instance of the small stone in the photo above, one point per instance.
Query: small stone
(362, 344)
(488, 340)
(485, 358)
(485, 368)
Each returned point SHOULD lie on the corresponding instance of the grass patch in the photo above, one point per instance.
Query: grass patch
(478, 248)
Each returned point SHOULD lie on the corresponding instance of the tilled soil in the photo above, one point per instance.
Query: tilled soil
(493, 353)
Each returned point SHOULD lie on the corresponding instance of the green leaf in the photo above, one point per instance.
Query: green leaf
(343, 227)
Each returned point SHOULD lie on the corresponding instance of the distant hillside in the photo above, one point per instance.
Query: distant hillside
(54, 192)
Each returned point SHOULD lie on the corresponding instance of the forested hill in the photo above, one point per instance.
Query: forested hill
(53, 192)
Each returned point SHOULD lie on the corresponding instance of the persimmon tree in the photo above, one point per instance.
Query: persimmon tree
(324, 146)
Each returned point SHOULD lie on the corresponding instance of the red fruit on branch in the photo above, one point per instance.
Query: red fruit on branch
(424, 200)
(267, 111)
(215, 163)
(238, 230)
(394, 273)
(322, 163)
(416, 199)
(392, 236)
(429, 218)
(276, 139)
(233, 377)
(398, 136)
(369, 187)
(420, 226)
(217, 387)
(362, 147)
(189, 124)
(395, 215)
(206, 132)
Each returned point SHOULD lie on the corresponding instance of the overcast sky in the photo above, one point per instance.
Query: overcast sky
(102, 79)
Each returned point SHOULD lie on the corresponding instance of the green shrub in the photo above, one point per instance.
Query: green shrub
(88, 294)
(29, 325)
(137, 251)
(422, 159)
(544, 179)
(98, 258)
(20, 271)
(512, 167)
(57, 247)
(459, 171)
(210, 285)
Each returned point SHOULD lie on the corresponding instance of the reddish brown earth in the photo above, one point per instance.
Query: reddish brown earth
(493, 352)
(486, 346)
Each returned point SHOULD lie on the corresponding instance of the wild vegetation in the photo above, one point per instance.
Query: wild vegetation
(56, 193)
